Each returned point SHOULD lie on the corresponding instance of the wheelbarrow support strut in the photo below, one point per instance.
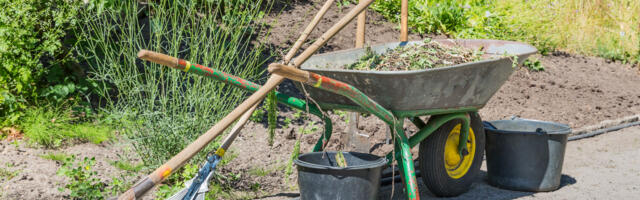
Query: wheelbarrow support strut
(341, 88)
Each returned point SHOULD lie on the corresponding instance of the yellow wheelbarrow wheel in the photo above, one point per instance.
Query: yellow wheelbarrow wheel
(444, 171)
(457, 165)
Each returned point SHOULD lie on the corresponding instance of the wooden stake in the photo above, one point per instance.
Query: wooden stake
(360, 29)
(404, 15)
(157, 176)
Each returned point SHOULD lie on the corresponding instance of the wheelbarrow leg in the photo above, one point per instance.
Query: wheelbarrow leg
(405, 162)
(324, 138)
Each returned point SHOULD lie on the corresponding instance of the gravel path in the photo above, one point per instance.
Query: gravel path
(602, 167)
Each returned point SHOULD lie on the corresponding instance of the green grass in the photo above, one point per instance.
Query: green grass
(6, 174)
(259, 171)
(60, 157)
(600, 28)
(52, 127)
(603, 28)
(127, 166)
(171, 108)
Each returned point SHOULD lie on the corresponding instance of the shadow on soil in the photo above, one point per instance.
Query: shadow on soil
(479, 190)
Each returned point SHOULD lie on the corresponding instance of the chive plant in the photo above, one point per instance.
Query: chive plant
(170, 108)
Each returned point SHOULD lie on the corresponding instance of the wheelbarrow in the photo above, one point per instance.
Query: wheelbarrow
(451, 141)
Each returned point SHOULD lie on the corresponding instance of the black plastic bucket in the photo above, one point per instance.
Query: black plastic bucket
(525, 155)
(319, 177)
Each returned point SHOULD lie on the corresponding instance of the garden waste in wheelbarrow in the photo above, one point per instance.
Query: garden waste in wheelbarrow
(467, 85)
(452, 154)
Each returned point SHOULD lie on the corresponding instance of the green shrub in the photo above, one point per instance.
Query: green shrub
(36, 55)
(457, 18)
(170, 108)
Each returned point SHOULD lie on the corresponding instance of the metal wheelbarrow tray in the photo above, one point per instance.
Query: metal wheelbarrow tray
(420, 92)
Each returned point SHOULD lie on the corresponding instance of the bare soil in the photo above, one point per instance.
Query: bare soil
(36, 176)
(573, 89)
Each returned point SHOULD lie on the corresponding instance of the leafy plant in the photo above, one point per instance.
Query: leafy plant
(257, 115)
(83, 183)
(533, 64)
(37, 62)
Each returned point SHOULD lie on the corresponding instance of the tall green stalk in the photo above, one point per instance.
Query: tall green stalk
(168, 108)
(272, 115)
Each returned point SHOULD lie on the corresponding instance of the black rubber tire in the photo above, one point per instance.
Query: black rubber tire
(431, 158)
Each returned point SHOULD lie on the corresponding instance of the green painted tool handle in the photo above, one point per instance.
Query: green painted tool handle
(334, 86)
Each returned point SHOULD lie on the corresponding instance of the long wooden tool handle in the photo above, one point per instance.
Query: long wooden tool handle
(187, 153)
(331, 32)
(235, 131)
(307, 31)
(404, 15)
(360, 28)
(159, 58)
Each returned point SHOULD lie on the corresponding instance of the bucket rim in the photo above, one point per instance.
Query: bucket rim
(381, 161)
(564, 129)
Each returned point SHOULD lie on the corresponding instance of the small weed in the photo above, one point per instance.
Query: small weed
(228, 157)
(16, 144)
(59, 157)
(308, 130)
(287, 122)
(298, 114)
(6, 174)
(257, 115)
(117, 186)
(533, 64)
(343, 115)
(259, 171)
(127, 166)
(342, 4)
(83, 183)
(255, 186)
